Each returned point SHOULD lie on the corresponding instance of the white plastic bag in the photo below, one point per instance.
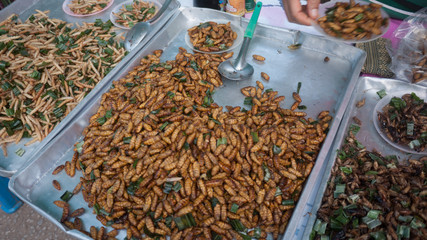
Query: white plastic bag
(409, 59)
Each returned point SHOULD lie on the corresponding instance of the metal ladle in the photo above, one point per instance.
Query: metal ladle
(140, 30)
(239, 69)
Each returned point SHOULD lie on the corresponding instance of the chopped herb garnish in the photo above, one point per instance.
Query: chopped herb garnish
(267, 174)
(126, 140)
(346, 170)
(164, 125)
(67, 196)
(255, 137)
(185, 221)
(397, 103)
(20, 152)
(381, 93)
(299, 87)
(248, 101)
(288, 202)
(234, 208)
(354, 128)
(79, 147)
(221, 141)
(339, 189)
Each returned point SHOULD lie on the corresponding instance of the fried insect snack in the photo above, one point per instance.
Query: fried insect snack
(85, 7)
(372, 196)
(212, 36)
(419, 71)
(258, 57)
(404, 121)
(161, 158)
(47, 68)
(353, 21)
(138, 11)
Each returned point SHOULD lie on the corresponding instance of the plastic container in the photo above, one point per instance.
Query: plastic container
(9, 203)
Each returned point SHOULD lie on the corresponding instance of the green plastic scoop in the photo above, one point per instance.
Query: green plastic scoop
(239, 69)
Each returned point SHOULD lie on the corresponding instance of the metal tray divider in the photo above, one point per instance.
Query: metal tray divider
(304, 205)
(330, 162)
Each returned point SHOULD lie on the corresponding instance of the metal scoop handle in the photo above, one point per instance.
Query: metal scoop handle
(250, 29)
(161, 11)
(249, 32)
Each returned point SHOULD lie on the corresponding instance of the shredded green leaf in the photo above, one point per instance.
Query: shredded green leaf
(67, 196)
(381, 93)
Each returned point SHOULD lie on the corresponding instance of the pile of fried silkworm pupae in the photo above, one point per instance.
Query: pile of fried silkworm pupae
(161, 158)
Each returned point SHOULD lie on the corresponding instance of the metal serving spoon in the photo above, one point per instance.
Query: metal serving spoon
(140, 30)
(239, 69)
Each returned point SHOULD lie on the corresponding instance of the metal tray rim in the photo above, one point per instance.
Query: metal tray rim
(323, 153)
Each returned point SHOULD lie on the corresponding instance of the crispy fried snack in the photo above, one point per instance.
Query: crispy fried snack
(47, 68)
(212, 36)
(85, 7)
(138, 11)
(161, 158)
(372, 195)
(353, 21)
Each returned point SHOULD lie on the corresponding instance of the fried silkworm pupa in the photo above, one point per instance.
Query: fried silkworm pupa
(258, 57)
(265, 76)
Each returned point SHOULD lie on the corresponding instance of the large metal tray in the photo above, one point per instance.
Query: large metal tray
(367, 89)
(10, 164)
(326, 85)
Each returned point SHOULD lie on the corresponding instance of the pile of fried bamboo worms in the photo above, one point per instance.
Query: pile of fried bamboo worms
(46, 69)
(85, 7)
(161, 158)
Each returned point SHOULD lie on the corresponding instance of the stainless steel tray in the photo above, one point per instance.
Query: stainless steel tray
(366, 88)
(10, 164)
(325, 86)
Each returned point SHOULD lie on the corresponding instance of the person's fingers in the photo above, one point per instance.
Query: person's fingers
(297, 13)
(313, 8)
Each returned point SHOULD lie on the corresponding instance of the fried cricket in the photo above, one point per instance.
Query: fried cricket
(370, 196)
(404, 121)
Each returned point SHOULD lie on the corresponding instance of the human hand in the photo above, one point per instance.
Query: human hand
(302, 14)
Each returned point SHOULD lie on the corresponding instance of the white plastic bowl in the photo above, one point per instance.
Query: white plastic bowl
(236, 43)
(379, 108)
(324, 7)
(68, 11)
(116, 9)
